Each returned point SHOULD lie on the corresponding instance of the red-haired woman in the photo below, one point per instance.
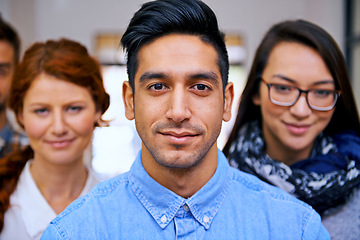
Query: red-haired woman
(58, 97)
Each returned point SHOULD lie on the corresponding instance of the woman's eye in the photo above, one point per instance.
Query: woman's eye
(75, 108)
(322, 93)
(282, 88)
(41, 111)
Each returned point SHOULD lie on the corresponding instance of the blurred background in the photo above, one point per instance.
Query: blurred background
(99, 26)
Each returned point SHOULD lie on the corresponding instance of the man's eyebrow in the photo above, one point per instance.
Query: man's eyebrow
(206, 75)
(152, 75)
(160, 75)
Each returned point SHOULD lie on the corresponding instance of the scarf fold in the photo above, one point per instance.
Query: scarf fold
(324, 180)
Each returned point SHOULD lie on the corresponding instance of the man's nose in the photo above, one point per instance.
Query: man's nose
(178, 106)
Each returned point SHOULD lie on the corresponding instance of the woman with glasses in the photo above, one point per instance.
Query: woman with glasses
(298, 126)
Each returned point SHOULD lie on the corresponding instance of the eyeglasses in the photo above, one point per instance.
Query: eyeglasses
(317, 99)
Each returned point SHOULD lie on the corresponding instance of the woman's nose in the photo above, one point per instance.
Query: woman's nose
(301, 108)
(58, 124)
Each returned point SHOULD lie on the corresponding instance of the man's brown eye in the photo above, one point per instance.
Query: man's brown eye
(157, 86)
(201, 87)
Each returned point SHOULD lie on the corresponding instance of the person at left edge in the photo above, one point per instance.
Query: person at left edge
(11, 136)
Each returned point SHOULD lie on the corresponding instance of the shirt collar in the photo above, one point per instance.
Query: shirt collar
(35, 210)
(33, 204)
(163, 204)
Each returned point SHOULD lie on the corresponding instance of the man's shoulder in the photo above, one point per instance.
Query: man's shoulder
(272, 207)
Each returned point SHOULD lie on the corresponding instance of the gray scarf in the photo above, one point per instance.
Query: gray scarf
(324, 180)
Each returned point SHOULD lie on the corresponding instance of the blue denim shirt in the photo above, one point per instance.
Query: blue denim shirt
(232, 205)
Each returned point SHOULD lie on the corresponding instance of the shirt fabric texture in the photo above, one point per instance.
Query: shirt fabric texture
(29, 213)
(231, 205)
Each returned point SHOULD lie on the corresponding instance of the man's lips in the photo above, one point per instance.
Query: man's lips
(178, 137)
(179, 134)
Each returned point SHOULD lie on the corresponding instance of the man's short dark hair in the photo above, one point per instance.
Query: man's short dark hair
(164, 17)
(8, 34)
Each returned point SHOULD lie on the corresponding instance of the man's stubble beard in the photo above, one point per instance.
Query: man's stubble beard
(187, 162)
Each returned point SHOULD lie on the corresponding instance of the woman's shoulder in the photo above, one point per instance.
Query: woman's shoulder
(346, 216)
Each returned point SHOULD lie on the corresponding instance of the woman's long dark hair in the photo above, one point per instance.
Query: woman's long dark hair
(66, 60)
(345, 116)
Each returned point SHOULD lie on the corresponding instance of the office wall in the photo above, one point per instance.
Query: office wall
(83, 19)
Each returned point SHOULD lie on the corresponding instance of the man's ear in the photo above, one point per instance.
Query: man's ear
(228, 101)
(128, 98)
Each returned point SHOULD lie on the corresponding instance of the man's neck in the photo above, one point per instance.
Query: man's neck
(185, 182)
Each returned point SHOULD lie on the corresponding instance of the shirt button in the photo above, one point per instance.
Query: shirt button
(163, 219)
(186, 208)
(206, 219)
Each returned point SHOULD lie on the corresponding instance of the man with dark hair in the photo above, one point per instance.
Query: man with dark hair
(180, 185)
(10, 139)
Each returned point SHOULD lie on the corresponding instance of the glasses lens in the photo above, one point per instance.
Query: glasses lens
(318, 99)
(283, 95)
(322, 99)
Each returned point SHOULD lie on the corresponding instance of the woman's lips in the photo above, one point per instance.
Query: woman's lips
(297, 129)
(60, 144)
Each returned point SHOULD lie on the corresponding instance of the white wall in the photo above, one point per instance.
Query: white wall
(82, 19)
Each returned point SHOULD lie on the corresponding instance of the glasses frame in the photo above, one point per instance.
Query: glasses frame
(337, 94)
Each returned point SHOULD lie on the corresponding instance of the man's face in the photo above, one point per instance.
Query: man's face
(7, 66)
(178, 104)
